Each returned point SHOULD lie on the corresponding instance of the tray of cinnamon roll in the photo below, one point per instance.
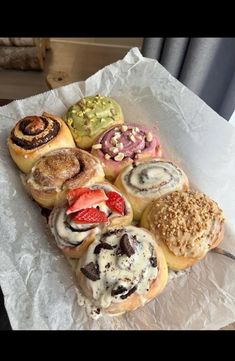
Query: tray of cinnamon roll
(120, 211)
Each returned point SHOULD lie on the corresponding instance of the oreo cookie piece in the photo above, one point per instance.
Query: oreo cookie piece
(118, 291)
(91, 271)
(153, 261)
(125, 246)
(102, 245)
(132, 290)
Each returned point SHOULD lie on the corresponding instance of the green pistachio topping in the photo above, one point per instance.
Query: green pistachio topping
(90, 114)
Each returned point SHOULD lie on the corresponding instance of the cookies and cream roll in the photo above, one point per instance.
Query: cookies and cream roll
(123, 269)
(121, 145)
(186, 225)
(34, 136)
(73, 234)
(145, 180)
(60, 170)
(90, 116)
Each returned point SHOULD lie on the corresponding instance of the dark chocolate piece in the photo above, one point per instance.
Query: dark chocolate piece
(153, 261)
(125, 246)
(132, 290)
(91, 271)
(102, 245)
(118, 291)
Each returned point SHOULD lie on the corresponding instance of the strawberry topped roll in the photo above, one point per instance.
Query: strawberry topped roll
(86, 213)
(119, 146)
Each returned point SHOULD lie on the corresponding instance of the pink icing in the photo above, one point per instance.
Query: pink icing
(130, 148)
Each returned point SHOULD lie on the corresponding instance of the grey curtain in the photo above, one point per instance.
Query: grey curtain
(204, 65)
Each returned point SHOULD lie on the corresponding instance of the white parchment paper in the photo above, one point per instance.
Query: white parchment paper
(38, 283)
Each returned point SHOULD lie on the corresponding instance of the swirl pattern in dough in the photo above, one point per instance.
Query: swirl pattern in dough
(143, 181)
(60, 170)
(34, 136)
(73, 238)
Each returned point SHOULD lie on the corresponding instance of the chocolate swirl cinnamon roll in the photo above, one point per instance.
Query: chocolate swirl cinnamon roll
(186, 225)
(143, 181)
(119, 146)
(34, 136)
(122, 269)
(60, 170)
(92, 209)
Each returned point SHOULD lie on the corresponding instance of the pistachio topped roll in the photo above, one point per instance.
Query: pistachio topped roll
(90, 116)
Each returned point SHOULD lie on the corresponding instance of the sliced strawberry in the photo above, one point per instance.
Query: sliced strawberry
(87, 199)
(90, 215)
(115, 202)
(74, 194)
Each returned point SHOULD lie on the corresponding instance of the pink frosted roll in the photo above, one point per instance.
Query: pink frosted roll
(120, 145)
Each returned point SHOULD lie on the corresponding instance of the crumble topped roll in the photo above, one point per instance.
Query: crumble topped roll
(186, 225)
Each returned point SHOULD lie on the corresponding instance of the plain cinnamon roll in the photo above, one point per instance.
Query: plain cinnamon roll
(34, 136)
(145, 180)
(60, 170)
(73, 236)
(186, 225)
(120, 145)
(123, 269)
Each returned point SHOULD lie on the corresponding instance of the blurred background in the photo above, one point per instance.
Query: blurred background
(29, 66)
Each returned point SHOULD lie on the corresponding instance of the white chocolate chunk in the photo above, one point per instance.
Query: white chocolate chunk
(119, 157)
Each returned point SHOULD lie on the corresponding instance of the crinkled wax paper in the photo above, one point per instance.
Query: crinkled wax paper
(38, 283)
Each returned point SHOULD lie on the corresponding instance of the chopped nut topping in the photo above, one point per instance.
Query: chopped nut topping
(124, 128)
(149, 137)
(189, 217)
(107, 156)
(114, 150)
(119, 157)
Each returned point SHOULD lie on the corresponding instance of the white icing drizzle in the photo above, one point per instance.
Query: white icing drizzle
(119, 270)
(155, 177)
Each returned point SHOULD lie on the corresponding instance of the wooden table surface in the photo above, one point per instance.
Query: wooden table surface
(4, 321)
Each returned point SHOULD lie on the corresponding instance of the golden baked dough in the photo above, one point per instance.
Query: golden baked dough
(186, 225)
(73, 239)
(60, 170)
(122, 269)
(145, 180)
(90, 116)
(34, 136)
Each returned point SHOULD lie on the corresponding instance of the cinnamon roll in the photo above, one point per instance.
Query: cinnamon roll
(60, 170)
(90, 116)
(122, 269)
(186, 225)
(143, 181)
(34, 136)
(120, 145)
(76, 226)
